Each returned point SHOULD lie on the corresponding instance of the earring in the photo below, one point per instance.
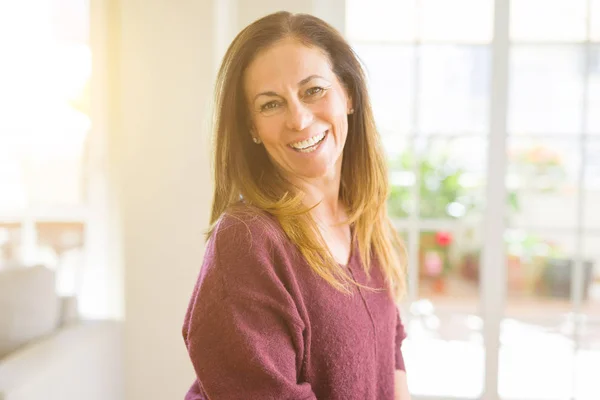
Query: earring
(351, 111)
(256, 140)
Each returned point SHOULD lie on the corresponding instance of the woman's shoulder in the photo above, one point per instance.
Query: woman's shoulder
(247, 249)
(243, 226)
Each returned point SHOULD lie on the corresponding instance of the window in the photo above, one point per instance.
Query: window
(44, 103)
(430, 65)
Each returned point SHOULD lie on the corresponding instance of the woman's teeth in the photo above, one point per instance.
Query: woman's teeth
(309, 145)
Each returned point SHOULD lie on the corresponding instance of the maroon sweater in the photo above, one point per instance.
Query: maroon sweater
(262, 325)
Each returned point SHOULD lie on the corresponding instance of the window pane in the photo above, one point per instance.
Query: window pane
(445, 348)
(70, 20)
(591, 255)
(390, 71)
(450, 182)
(538, 317)
(593, 114)
(454, 89)
(587, 361)
(54, 180)
(445, 323)
(588, 353)
(446, 353)
(536, 262)
(526, 368)
(401, 176)
(447, 21)
(545, 94)
(592, 185)
(452, 175)
(443, 369)
(381, 20)
(542, 177)
(548, 20)
(44, 101)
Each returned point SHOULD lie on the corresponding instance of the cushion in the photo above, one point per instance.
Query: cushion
(29, 306)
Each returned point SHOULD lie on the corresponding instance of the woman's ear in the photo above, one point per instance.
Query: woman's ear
(254, 136)
(349, 106)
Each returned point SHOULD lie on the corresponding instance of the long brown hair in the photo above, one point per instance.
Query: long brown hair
(243, 169)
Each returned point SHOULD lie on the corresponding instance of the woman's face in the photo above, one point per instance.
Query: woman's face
(298, 109)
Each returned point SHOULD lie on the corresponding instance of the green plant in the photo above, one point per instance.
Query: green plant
(441, 188)
(537, 167)
(526, 246)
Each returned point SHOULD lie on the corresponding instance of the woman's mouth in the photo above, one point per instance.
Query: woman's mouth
(309, 145)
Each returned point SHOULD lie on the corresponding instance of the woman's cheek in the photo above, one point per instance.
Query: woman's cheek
(267, 128)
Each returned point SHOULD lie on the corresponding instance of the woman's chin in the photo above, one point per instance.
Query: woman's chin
(315, 171)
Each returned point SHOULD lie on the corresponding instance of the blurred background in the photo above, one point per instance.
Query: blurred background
(490, 116)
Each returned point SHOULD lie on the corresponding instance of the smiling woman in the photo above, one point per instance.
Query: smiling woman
(301, 118)
(296, 296)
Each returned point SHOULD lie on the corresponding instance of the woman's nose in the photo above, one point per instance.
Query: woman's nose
(299, 116)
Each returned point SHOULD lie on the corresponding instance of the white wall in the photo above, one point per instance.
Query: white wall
(165, 57)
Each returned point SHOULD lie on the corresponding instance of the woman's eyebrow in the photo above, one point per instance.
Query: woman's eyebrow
(308, 78)
(272, 94)
(302, 82)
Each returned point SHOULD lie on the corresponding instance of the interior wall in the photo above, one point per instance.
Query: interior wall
(166, 60)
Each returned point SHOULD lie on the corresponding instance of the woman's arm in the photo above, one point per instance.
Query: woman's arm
(242, 330)
(400, 386)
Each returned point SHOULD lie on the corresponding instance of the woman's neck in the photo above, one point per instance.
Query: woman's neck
(326, 194)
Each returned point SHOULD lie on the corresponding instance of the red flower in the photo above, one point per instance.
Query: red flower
(443, 239)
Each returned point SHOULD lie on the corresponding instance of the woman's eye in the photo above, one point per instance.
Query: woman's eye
(269, 106)
(314, 90)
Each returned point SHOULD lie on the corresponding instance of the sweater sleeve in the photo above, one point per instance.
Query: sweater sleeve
(242, 330)
(400, 336)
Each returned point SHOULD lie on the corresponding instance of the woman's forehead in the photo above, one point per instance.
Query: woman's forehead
(284, 64)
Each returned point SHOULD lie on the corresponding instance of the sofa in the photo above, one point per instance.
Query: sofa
(47, 351)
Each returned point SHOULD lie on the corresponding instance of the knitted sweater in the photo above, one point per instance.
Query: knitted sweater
(262, 325)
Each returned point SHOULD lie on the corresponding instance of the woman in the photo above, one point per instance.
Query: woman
(296, 296)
